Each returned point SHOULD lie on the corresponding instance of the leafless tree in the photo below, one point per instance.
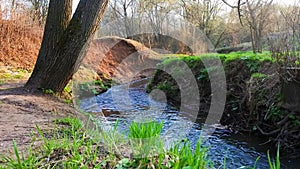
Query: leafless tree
(256, 14)
(39, 9)
(291, 17)
(205, 14)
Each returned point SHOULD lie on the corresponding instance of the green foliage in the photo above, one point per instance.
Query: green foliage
(204, 72)
(145, 130)
(13, 74)
(49, 91)
(74, 123)
(124, 163)
(102, 85)
(67, 101)
(295, 120)
(23, 71)
(69, 145)
(93, 86)
(20, 162)
(275, 114)
(273, 164)
(252, 60)
(18, 76)
(87, 86)
(183, 157)
(247, 56)
(66, 95)
(165, 86)
(111, 138)
(145, 138)
(258, 75)
(287, 57)
(6, 76)
(169, 56)
(68, 89)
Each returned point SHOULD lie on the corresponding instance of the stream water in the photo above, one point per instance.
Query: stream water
(134, 103)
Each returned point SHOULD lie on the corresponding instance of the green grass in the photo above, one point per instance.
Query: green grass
(66, 147)
(252, 60)
(92, 86)
(244, 55)
(70, 145)
(258, 75)
(274, 164)
(145, 130)
(48, 91)
(186, 158)
(8, 74)
(249, 55)
(275, 113)
(145, 139)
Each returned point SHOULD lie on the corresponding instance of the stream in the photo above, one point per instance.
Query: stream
(134, 103)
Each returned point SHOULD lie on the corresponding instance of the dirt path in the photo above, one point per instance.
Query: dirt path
(21, 111)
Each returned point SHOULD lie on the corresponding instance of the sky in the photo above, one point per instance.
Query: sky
(286, 2)
(283, 2)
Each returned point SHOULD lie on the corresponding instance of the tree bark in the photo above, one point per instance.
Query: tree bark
(64, 42)
(59, 16)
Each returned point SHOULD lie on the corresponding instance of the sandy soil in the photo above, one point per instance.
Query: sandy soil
(21, 111)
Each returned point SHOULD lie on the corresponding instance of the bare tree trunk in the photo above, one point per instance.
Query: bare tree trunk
(59, 16)
(252, 41)
(54, 29)
(61, 55)
(258, 13)
(259, 41)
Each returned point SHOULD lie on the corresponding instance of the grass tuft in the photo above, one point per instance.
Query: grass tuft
(145, 130)
(185, 158)
(274, 164)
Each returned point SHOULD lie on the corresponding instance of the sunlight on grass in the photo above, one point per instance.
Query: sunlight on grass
(70, 145)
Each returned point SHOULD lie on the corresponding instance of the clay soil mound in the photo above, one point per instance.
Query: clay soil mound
(19, 45)
(114, 57)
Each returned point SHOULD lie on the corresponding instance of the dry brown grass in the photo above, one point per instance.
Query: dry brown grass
(19, 43)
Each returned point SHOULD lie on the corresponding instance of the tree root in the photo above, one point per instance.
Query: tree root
(268, 133)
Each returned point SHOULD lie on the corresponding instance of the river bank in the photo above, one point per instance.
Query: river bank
(253, 99)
